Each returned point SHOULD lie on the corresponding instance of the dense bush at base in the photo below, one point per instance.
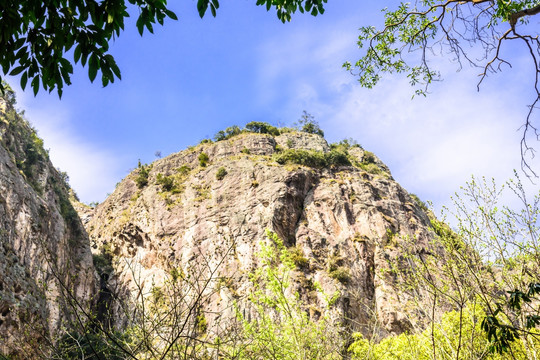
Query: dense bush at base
(456, 336)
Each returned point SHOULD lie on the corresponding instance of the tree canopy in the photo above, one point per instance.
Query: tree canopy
(38, 38)
(473, 32)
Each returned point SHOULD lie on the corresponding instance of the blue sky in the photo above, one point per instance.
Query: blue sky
(195, 77)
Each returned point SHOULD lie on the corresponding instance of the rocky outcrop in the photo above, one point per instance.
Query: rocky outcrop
(344, 221)
(45, 259)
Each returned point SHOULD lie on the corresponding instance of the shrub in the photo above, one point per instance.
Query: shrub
(227, 133)
(312, 158)
(371, 168)
(341, 274)
(368, 157)
(183, 170)
(315, 159)
(337, 271)
(103, 264)
(92, 345)
(245, 150)
(166, 182)
(337, 158)
(298, 258)
(142, 177)
(221, 173)
(345, 145)
(203, 159)
(262, 128)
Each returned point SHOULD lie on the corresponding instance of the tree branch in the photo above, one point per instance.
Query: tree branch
(525, 12)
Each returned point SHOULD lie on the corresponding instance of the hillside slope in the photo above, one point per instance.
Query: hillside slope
(206, 209)
(45, 259)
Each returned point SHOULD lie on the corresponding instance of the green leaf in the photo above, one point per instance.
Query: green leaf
(93, 67)
(24, 79)
(17, 70)
(112, 65)
(140, 25)
(77, 53)
(35, 85)
(171, 14)
(202, 5)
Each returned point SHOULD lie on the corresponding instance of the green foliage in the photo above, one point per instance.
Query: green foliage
(27, 148)
(141, 179)
(262, 128)
(227, 133)
(298, 258)
(203, 159)
(368, 163)
(286, 8)
(69, 214)
(220, 174)
(103, 263)
(414, 31)
(307, 124)
(337, 158)
(489, 259)
(371, 168)
(202, 192)
(341, 274)
(183, 170)
(282, 329)
(166, 182)
(92, 346)
(457, 335)
(37, 36)
(85, 27)
(419, 202)
(311, 158)
(345, 144)
(368, 157)
(337, 271)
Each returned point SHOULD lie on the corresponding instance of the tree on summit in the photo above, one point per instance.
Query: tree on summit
(472, 32)
(38, 37)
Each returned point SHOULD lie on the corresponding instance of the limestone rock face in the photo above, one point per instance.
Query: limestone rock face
(344, 220)
(44, 249)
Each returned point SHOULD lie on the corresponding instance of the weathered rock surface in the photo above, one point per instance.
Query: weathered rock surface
(345, 221)
(44, 249)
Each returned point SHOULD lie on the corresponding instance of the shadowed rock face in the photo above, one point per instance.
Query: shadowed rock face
(345, 221)
(44, 249)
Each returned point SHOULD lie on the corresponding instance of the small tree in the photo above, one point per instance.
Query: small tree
(307, 123)
(281, 327)
(203, 159)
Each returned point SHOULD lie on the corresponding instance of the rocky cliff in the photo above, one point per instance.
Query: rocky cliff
(45, 259)
(336, 207)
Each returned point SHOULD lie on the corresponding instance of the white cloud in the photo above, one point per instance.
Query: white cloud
(433, 145)
(93, 171)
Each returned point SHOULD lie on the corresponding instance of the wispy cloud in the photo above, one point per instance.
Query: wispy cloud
(433, 145)
(93, 171)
